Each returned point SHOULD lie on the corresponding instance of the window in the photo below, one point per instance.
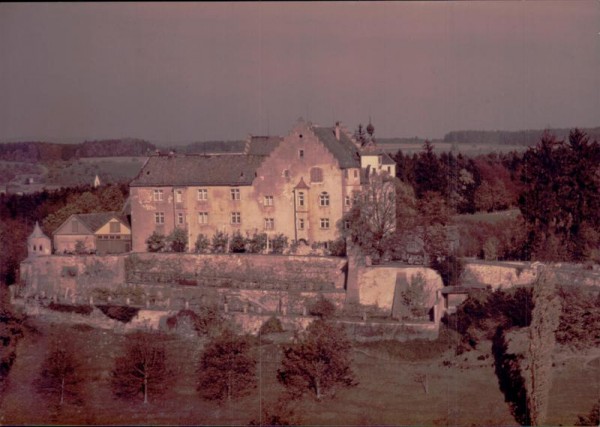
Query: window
(74, 226)
(300, 223)
(301, 154)
(346, 173)
(389, 168)
(268, 200)
(346, 224)
(115, 227)
(158, 195)
(235, 194)
(324, 199)
(180, 218)
(236, 218)
(179, 196)
(202, 218)
(301, 198)
(347, 200)
(269, 223)
(380, 159)
(355, 173)
(316, 175)
(202, 194)
(286, 173)
(159, 217)
(325, 223)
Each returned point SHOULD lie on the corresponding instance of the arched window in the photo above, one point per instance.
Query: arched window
(324, 199)
(316, 175)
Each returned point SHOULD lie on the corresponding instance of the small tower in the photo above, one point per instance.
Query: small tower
(38, 243)
(96, 183)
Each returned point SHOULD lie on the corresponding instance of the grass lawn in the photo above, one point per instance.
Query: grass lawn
(462, 390)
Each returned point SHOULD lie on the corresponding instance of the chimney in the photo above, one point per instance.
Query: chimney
(337, 130)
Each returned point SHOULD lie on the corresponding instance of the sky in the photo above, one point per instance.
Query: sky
(219, 71)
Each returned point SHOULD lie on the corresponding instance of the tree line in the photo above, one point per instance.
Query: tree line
(316, 363)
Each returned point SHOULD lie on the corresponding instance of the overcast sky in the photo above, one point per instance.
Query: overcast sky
(204, 71)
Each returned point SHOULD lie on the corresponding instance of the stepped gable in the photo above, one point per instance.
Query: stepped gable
(344, 150)
(93, 221)
(198, 170)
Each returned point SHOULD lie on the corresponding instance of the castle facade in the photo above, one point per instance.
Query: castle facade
(299, 185)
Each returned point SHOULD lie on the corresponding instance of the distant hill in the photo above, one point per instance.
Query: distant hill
(500, 137)
(41, 152)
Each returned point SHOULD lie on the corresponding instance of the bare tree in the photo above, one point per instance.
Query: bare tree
(142, 369)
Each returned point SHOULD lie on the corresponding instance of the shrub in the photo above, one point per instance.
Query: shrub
(80, 248)
(337, 247)
(219, 242)
(117, 312)
(321, 307)
(65, 308)
(206, 322)
(237, 243)
(580, 319)
(482, 313)
(279, 243)
(156, 242)
(271, 326)
(257, 243)
(177, 240)
(202, 244)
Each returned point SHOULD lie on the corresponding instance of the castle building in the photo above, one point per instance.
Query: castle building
(299, 186)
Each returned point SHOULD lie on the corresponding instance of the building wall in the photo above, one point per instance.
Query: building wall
(67, 242)
(278, 177)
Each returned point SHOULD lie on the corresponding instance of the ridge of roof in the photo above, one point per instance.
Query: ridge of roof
(96, 220)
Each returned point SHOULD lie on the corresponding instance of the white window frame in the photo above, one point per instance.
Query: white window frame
(324, 223)
(159, 218)
(202, 194)
(235, 194)
(269, 200)
(269, 223)
(301, 199)
(202, 218)
(178, 196)
(180, 218)
(324, 199)
(236, 218)
(158, 195)
(301, 224)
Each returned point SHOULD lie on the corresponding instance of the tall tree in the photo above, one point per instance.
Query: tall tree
(227, 368)
(318, 362)
(544, 322)
(142, 369)
(561, 197)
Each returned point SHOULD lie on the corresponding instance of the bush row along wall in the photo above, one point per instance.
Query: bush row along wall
(247, 283)
(279, 272)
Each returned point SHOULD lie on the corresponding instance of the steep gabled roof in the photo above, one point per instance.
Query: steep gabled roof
(173, 170)
(261, 145)
(344, 150)
(94, 221)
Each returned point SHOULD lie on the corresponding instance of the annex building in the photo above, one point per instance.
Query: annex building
(299, 185)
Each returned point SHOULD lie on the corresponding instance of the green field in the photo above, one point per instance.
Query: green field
(438, 147)
(463, 390)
